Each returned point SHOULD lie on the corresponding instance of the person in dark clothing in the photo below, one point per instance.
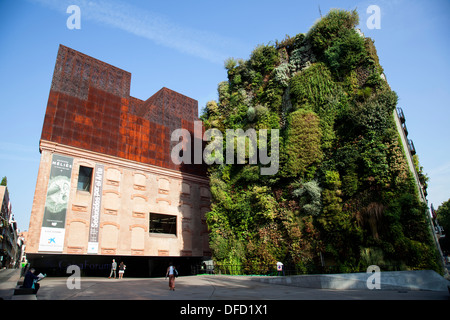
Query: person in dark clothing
(122, 268)
(29, 279)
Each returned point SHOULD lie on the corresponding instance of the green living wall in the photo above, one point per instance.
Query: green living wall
(343, 197)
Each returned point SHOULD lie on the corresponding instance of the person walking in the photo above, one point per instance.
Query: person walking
(171, 273)
(113, 269)
(122, 268)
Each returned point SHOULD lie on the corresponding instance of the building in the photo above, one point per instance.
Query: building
(409, 151)
(21, 245)
(9, 248)
(107, 187)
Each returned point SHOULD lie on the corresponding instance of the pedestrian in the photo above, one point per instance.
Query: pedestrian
(30, 281)
(113, 269)
(172, 273)
(122, 268)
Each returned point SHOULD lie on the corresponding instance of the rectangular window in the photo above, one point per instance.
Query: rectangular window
(84, 179)
(163, 223)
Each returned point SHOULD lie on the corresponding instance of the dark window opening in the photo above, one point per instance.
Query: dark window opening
(84, 179)
(163, 223)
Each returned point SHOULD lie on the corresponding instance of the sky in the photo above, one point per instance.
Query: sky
(182, 45)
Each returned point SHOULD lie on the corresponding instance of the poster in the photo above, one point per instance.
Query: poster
(58, 192)
(52, 239)
(96, 207)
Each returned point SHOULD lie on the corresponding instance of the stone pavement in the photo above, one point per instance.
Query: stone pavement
(211, 287)
(204, 287)
(8, 281)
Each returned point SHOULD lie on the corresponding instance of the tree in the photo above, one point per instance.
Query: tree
(4, 181)
(443, 216)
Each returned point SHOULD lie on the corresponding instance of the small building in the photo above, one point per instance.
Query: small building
(107, 187)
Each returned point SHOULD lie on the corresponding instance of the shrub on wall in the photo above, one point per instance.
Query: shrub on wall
(302, 149)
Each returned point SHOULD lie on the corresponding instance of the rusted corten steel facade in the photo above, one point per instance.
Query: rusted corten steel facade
(92, 123)
(90, 107)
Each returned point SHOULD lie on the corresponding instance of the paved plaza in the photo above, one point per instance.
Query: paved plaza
(203, 287)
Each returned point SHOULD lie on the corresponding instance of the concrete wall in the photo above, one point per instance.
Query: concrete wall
(390, 280)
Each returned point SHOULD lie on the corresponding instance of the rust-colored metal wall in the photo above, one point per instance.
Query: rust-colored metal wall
(90, 107)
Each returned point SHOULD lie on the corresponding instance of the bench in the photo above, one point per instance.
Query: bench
(19, 290)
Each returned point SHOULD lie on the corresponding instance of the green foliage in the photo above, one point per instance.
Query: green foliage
(331, 196)
(267, 246)
(264, 59)
(443, 214)
(409, 233)
(374, 114)
(312, 87)
(343, 190)
(309, 195)
(211, 108)
(443, 217)
(423, 178)
(346, 52)
(263, 203)
(302, 149)
(372, 256)
(315, 89)
(330, 28)
(374, 162)
(340, 231)
(282, 74)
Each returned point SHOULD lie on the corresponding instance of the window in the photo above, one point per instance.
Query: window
(163, 223)
(84, 179)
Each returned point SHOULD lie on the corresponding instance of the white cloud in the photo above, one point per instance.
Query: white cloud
(149, 25)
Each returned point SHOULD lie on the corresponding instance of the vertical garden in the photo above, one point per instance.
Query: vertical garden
(343, 197)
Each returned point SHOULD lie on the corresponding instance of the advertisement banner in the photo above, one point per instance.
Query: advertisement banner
(52, 239)
(96, 207)
(58, 191)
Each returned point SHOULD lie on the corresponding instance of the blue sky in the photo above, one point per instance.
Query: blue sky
(182, 45)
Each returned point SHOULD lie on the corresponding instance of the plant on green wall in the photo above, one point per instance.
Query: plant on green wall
(330, 28)
(302, 149)
(343, 190)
